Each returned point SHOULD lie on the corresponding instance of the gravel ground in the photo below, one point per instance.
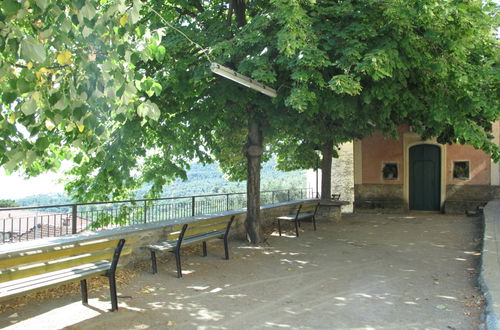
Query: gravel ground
(412, 271)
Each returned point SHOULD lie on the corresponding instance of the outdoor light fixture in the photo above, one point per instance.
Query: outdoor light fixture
(241, 79)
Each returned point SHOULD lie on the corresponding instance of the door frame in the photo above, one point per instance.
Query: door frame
(411, 139)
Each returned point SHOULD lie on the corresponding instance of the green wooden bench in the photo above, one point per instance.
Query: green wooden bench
(187, 234)
(30, 269)
(306, 211)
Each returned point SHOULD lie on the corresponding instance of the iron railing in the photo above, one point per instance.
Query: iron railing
(33, 222)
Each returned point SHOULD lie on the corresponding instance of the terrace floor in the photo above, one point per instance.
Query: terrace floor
(411, 271)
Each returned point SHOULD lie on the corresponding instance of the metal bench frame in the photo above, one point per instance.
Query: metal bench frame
(174, 246)
(298, 217)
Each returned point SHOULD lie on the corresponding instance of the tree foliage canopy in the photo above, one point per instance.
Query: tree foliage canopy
(124, 90)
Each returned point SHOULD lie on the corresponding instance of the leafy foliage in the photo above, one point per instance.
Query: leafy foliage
(122, 90)
(8, 203)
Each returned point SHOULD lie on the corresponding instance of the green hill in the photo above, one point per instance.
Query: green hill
(202, 179)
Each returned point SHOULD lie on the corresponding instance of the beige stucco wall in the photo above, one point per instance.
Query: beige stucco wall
(372, 152)
(376, 151)
(480, 163)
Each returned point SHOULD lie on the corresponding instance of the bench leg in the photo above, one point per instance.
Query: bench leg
(153, 262)
(83, 289)
(314, 223)
(226, 248)
(177, 253)
(279, 226)
(112, 293)
(296, 228)
(204, 248)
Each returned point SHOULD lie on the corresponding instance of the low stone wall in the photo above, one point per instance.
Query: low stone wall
(489, 278)
(152, 232)
(461, 198)
(379, 198)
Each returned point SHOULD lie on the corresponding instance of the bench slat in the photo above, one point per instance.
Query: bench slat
(187, 240)
(21, 258)
(198, 230)
(43, 281)
(15, 273)
(308, 208)
(202, 236)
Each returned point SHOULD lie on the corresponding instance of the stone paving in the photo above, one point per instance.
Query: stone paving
(409, 271)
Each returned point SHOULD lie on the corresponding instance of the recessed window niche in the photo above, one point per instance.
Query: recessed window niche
(390, 171)
(461, 170)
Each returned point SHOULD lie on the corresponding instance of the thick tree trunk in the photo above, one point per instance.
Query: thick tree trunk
(239, 7)
(326, 170)
(253, 152)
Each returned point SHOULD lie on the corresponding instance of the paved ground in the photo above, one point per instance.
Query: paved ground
(369, 272)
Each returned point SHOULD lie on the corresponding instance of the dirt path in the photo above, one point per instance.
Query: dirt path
(369, 272)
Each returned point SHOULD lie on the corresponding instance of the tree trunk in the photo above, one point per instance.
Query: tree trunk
(326, 170)
(239, 7)
(253, 153)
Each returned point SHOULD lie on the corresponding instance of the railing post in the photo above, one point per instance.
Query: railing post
(145, 212)
(227, 202)
(74, 214)
(272, 197)
(193, 205)
(288, 194)
(301, 191)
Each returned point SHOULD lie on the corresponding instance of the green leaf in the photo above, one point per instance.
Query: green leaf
(42, 4)
(32, 51)
(160, 53)
(88, 11)
(9, 97)
(156, 88)
(10, 7)
(23, 86)
(149, 110)
(42, 143)
(29, 107)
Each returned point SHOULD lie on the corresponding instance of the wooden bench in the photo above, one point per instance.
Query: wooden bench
(304, 212)
(187, 234)
(41, 267)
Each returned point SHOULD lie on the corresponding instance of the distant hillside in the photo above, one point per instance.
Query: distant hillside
(201, 180)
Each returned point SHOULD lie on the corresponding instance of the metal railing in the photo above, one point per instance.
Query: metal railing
(34, 222)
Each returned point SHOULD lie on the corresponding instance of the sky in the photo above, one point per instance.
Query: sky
(14, 186)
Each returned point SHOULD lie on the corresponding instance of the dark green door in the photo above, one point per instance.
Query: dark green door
(425, 177)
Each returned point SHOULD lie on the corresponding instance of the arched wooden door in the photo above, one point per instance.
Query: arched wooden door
(425, 177)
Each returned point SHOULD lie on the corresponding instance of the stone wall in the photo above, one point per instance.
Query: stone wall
(461, 198)
(144, 234)
(379, 197)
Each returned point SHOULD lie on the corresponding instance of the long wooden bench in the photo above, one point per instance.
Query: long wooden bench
(306, 211)
(41, 267)
(187, 234)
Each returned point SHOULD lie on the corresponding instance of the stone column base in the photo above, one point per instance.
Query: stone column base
(329, 214)
(330, 211)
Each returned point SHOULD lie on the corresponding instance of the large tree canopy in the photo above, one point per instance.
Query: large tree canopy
(124, 89)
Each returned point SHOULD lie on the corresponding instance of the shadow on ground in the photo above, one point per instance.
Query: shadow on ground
(370, 271)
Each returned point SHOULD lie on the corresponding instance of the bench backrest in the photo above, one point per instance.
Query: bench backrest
(30, 262)
(309, 208)
(219, 224)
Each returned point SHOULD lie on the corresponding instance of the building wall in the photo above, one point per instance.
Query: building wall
(372, 191)
(480, 165)
(376, 152)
